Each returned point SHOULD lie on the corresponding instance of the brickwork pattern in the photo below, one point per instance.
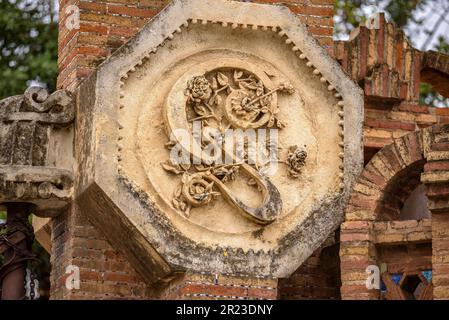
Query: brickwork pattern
(105, 25)
(406, 257)
(317, 278)
(436, 178)
(403, 232)
(104, 273)
(378, 194)
(357, 251)
(191, 286)
(436, 71)
(382, 61)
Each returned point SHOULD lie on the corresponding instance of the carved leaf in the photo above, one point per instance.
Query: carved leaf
(252, 86)
(214, 84)
(185, 178)
(237, 75)
(279, 124)
(182, 206)
(200, 109)
(178, 191)
(252, 182)
(175, 203)
(169, 145)
(171, 167)
(217, 100)
(185, 167)
(222, 79)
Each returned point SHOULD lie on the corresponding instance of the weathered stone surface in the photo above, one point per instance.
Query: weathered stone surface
(36, 143)
(137, 95)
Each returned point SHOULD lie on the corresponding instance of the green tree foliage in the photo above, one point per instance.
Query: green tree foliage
(28, 42)
(351, 13)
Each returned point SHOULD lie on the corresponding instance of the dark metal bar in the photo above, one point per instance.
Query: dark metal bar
(18, 239)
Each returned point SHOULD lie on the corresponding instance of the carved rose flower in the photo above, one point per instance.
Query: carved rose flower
(296, 159)
(199, 89)
(243, 104)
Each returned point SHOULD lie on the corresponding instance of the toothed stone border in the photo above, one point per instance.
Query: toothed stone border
(99, 171)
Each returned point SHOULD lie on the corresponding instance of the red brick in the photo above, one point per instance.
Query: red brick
(132, 11)
(320, 31)
(94, 28)
(356, 225)
(390, 124)
(92, 6)
(363, 201)
(354, 237)
(374, 178)
(311, 10)
(437, 166)
(437, 190)
(410, 107)
(442, 111)
(442, 146)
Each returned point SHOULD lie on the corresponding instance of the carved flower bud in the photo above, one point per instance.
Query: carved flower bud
(287, 87)
(199, 89)
(296, 159)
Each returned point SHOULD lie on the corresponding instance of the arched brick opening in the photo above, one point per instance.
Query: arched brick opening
(435, 70)
(373, 233)
(397, 191)
(381, 189)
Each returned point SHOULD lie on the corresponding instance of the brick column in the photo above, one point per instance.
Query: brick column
(436, 178)
(107, 24)
(104, 272)
(440, 255)
(192, 286)
(357, 252)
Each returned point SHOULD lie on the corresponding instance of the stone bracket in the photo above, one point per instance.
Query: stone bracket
(36, 142)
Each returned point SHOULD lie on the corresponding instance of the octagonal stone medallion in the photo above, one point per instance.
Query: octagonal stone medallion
(209, 66)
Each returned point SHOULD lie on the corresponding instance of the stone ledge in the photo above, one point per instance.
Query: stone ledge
(398, 232)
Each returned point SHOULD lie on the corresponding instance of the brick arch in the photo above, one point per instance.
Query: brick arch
(378, 194)
(387, 180)
(435, 70)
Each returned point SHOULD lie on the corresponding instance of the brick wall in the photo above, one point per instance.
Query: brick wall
(104, 26)
(317, 278)
(104, 273)
(436, 177)
(363, 235)
(357, 251)
(191, 286)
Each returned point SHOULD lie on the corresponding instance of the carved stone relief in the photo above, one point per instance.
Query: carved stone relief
(200, 70)
(227, 99)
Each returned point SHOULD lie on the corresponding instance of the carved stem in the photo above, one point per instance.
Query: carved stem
(263, 96)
